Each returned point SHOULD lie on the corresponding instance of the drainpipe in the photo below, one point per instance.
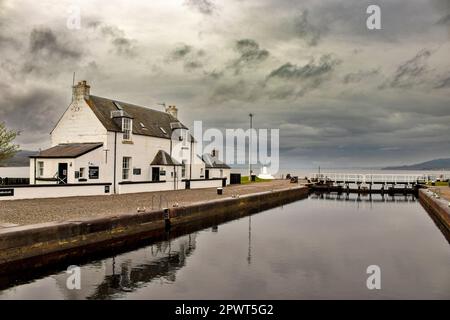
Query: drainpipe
(190, 165)
(115, 161)
(34, 170)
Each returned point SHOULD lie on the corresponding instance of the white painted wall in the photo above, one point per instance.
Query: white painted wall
(149, 187)
(206, 184)
(215, 173)
(36, 192)
(79, 124)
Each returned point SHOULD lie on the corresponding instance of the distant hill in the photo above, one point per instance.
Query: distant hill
(437, 164)
(21, 159)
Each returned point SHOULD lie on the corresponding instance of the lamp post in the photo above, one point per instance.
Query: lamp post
(250, 148)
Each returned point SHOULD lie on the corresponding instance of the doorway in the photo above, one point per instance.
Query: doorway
(206, 174)
(62, 173)
(155, 174)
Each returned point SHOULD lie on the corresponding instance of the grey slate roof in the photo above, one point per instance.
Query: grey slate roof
(68, 150)
(162, 158)
(152, 120)
(214, 162)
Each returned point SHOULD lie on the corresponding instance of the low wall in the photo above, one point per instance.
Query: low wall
(19, 192)
(438, 208)
(148, 186)
(199, 184)
(49, 243)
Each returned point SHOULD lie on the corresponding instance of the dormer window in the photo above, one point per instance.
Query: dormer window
(126, 128)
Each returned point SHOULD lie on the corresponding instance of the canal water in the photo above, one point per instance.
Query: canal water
(316, 248)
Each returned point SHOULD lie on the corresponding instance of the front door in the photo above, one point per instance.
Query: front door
(206, 174)
(155, 174)
(62, 173)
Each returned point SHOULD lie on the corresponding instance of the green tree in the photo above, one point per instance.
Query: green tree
(7, 147)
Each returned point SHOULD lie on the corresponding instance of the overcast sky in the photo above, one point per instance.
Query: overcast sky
(341, 95)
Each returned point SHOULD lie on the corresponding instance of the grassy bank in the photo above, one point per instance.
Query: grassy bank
(246, 179)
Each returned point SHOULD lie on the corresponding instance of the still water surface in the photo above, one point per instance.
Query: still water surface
(319, 247)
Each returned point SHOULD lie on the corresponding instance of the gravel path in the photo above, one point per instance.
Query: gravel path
(58, 209)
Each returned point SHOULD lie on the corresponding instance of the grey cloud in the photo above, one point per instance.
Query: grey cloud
(313, 68)
(250, 54)
(443, 83)
(43, 42)
(307, 31)
(122, 45)
(33, 112)
(410, 73)
(445, 20)
(206, 7)
(191, 58)
(360, 75)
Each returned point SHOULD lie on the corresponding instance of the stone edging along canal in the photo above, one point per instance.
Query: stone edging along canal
(438, 209)
(50, 243)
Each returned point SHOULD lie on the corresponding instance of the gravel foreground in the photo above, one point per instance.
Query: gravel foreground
(33, 211)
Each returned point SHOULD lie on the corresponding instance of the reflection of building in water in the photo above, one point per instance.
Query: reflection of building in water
(129, 271)
(249, 255)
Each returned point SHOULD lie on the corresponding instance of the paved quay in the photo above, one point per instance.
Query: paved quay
(443, 192)
(23, 212)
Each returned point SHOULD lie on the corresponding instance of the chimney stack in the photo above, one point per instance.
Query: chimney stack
(172, 110)
(81, 91)
(215, 153)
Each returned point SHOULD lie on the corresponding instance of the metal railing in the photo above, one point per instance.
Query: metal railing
(357, 178)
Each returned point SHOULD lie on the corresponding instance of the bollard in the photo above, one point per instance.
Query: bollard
(166, 217)
(219, 191)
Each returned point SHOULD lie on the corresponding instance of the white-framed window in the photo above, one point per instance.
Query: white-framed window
(40, 169)
(126, 165)
(82, 173)
(126, 128)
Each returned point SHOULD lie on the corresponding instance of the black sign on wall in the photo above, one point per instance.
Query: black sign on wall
(6, 192)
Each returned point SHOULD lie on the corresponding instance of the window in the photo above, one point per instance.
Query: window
(82, 173)
(40, 168)
(126, 128)
(183, 169)
(221, 173)
(93, 172)
(126, 162)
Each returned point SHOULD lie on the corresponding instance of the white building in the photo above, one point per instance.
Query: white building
(128, 148)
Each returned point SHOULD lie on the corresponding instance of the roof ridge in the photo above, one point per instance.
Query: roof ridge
(131, 104)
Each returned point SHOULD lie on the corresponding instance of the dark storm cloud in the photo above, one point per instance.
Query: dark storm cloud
(360, 75)
(191, 58)
(33, 111)
(250, 54)
(206, 7)
(44, 43)
(307, 31)
(410, 73)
